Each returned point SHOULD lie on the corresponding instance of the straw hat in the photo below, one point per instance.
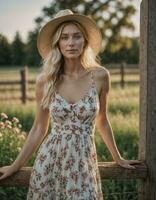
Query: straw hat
(46, 33)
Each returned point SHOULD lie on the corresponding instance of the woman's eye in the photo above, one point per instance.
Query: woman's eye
(78, 36)
(64, 38)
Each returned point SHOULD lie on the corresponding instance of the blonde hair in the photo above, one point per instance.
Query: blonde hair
(53, 63)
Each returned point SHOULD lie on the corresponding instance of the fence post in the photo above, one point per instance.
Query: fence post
(24, 84)
(147, 144)
(122, 73)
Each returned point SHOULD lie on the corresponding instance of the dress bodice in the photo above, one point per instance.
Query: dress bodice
(75, 117)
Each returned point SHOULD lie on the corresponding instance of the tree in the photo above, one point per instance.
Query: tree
(5, 51)
(129, 53)
(18, 50)
(111, 17)
(32, 55)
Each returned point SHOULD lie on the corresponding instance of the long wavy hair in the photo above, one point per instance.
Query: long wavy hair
(53, 64)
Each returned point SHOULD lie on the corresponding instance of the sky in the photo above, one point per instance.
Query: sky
(19, 15)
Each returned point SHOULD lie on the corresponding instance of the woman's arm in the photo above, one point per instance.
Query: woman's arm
(36, 134)
(104, 127)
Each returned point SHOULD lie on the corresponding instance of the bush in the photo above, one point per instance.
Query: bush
(12, 139)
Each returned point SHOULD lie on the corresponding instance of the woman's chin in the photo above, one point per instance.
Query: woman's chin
(74, 56)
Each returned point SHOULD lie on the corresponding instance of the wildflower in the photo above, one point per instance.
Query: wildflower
(15, 120)
(16, 130)
(1, 124)
(24, 133)
(19, 148)
(4, 116)
(8, 126)
(22, 137)
(19, 126)
(7, 122)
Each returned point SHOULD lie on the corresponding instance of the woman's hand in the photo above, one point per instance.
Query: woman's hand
(7, 171)
(128, 163)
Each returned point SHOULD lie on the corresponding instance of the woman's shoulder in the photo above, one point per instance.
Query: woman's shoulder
(40, 85)
(100, 72)
(40, 79)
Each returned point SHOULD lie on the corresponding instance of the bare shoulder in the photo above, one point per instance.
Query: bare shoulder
(40, 80)
(102, 77)
(40, 83)
(101, 73)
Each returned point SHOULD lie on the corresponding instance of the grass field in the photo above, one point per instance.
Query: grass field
(123, 112)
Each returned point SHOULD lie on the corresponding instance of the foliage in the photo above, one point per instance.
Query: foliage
(17, 50)
(12, 139)
(5, 51)
(129, 52)
(112, 189)
(32, 55)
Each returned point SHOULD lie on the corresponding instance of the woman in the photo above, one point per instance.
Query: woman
(72, 89)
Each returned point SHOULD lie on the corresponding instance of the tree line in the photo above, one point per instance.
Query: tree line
(17, 52)
(111, 16)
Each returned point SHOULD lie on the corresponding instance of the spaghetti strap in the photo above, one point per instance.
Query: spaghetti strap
(92, 77)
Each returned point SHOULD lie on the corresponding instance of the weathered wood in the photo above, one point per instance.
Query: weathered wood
(24, 84)
(9, 98)
(10, 82)
(108, 170)
(127, 72)
(115, 83)
(117, 65)
(122, 74)
(147, 144)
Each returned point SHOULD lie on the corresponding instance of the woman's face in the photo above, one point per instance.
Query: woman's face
(71, 42)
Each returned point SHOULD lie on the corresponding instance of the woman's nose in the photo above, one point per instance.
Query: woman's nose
(71, 42)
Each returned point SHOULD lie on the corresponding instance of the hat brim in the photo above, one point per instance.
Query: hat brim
(45, 35)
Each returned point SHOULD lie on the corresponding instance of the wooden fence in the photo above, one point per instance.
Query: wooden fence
(108, 170)
(23, 82)
(120, 70)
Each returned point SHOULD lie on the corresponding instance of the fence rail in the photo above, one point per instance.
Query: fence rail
(108, 170)
(121, 70)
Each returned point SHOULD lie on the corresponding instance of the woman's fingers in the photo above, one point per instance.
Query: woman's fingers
(3, 176)
(136, 161)
(5, 171)
(2, 171)
(127, 166)
(129, 163)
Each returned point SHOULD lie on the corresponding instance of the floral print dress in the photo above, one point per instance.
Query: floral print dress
(66, 166)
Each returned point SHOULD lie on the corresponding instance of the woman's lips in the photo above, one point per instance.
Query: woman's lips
(72, 50)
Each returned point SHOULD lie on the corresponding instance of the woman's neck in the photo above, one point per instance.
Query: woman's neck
(72, 67)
